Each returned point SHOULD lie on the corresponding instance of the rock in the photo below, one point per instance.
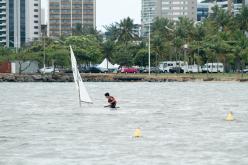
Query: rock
(28, 79)
(243, 80)
(19, 79)
(37, 77)
(10, 78)
(208, 79)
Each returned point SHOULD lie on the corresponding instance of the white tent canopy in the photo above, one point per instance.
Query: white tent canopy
(106, 64)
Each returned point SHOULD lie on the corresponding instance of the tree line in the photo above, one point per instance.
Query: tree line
(219, 38)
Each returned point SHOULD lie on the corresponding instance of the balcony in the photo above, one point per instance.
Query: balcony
(3, 30)
(3, 7)
(3, 18)
(2, 24)
(2, 35)
(4, 12)
(3, 41)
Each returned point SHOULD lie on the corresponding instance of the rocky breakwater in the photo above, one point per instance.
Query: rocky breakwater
(62, 77)
(35, 78)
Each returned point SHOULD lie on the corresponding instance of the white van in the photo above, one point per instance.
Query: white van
(48, 69)
(194, 69)
(213, 68)
(165, 66)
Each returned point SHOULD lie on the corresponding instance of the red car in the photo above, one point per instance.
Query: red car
(129, 70)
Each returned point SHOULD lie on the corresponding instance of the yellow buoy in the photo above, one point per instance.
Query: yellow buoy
(229, 117)
(137, 133)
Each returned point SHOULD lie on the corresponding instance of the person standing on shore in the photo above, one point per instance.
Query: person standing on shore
(111, 100)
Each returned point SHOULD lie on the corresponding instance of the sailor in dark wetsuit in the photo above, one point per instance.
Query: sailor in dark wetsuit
(111, 100)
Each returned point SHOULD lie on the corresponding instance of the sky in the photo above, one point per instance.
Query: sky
(110, 11)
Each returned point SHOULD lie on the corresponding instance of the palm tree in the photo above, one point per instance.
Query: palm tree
(220, 17)
(108, 48)
(160, 27)
(199, 33)
(126, 31)
(112, 32)
(185, 28)
(158, 47)
(183, 35)
(242, 19)
(240, 49)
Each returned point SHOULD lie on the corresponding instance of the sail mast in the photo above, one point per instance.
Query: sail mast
(79, 95)
(82, 91)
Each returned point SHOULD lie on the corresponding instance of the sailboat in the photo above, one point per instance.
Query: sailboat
(82, 91)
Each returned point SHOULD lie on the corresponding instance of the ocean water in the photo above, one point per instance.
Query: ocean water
(181, 124)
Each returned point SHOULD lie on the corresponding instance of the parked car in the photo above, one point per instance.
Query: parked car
(213, 68)
(176, 70)
(129, 70)
(92, 69)
(165, 66)
(49, 69)
(193, 69)
(244, 71)
(152, 70)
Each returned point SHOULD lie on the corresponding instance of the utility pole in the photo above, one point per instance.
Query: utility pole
(149, 44)
(44, 53)
(230, 7)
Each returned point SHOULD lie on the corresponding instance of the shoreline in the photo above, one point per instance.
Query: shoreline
(88, 77)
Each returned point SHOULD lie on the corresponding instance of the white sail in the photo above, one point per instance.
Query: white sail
(82, 92)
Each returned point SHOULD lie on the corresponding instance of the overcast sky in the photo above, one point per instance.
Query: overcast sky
(110, 11)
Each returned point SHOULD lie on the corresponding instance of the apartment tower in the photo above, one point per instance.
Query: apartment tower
(65, 15)
(149, 12)
(19, 22)
(3, 20)
(171, 9)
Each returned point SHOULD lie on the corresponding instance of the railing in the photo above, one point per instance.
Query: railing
(2, 18)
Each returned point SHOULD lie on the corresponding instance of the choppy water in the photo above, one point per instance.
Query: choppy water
(181, 123)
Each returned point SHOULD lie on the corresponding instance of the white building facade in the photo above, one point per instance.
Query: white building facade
(171, 9)
(65, 15)
(149, 12)
(235, 5)
(22, 21)
(3, 20)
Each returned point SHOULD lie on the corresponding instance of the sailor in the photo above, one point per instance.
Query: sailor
(111, 100)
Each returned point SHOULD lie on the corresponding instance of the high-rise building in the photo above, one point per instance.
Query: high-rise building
(205, 9)
(202, 11)
(3, 19)
(19, 22)
(43, 16)
(171, 9)
(149, 12)
(233, 6)
(65, 15)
